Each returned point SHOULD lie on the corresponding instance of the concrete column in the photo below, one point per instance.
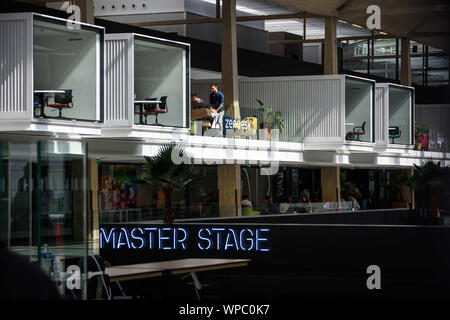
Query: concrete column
(406, 194)
(229, 185)
(87, 10)
(330, 61)
(93, 213)
(229, 59)
(330, 179)
(405, 67)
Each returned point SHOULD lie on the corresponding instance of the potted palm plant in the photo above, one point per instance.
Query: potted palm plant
(161, 172)
(271, 123)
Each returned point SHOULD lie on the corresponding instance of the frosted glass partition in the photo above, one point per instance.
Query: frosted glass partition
(67, 58)
(400, 115)
(358, 109)
(160, 71)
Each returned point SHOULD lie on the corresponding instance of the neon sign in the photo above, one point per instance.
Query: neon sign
(178, 238)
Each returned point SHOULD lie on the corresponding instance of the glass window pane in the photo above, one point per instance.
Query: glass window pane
(159, 74)
(384, 47)
(385, 68)
(353, 56)
(400, 115)
(415, 47)
(358, 110)
(437, 77)
(63, 199)
(66, 59)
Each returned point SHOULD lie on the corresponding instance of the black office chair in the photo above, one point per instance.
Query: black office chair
(394, 133)
(62, 101)
(162, 108)
(359, 131)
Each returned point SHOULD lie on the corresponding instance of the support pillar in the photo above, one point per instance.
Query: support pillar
(406, 194)
(93, 213)
(405, 69)
(330, 179)
(229, 59)
(330, 61)
(229, 185)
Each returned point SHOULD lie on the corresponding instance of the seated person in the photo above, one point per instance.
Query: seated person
(217, 102)
(246, 202)
(197, 102)
(269, 206)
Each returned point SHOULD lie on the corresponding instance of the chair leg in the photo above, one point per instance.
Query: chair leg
(60, 112)
(156, 120)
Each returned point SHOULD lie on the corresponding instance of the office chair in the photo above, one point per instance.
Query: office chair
(62, 100)
(147, 109)
(359, 131)
(162, 109)
(394, 133)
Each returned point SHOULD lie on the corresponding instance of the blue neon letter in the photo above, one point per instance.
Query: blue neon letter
(140, 238)
(241, 236)
(258, 239)
(206, 239)
(112, 234)
(176, 240)
(161, 237)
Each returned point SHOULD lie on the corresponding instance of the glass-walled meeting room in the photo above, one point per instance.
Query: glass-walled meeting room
(43, 206)
(400, 115)
(359, 100)
(161, 82)
(67, 70)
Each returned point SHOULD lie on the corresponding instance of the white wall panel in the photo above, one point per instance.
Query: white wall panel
(381, 115)
(117, 80)
(312, 107)
(16, 66)
(435, 116)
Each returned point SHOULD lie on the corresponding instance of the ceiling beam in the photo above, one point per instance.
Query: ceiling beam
(218, 20)
(322, 40)
(396, 11)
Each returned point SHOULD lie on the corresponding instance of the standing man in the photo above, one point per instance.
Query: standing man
(217, 100)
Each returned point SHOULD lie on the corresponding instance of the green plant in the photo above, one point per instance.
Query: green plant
(271, 119)
(427, 181)
(395, 182)
(347, 187)
(422, 129)
(161, 172)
